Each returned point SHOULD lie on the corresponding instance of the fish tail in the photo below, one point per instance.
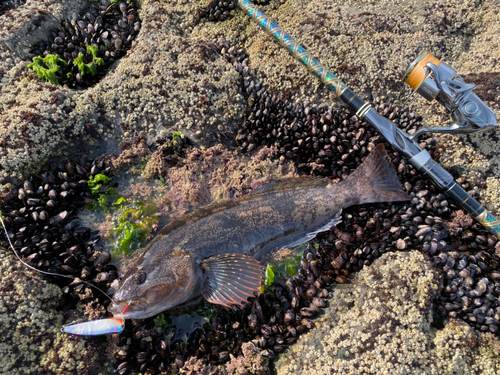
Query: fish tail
(375, 180)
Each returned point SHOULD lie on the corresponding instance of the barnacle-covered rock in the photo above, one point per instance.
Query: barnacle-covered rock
(30, 323)
(383, 322)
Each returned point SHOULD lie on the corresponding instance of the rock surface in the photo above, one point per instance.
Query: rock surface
(173, 79)
(30, 323)
(167, 80)
(382, 324)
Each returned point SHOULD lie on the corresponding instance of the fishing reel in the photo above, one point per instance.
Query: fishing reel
(433, 79)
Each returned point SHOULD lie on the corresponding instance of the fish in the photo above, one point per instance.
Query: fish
(214, 252)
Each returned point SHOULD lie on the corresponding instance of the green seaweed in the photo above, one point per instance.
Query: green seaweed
(84, 67)
(162, 321)
(98, 182)
(90, 67)
(108, 199)
(95, 55)
(286, 266)
(47, 67)
(105, 196)
(120, 201)
(269, 277)
(132, 224)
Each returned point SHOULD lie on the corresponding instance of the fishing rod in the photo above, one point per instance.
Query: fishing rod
(427, 76)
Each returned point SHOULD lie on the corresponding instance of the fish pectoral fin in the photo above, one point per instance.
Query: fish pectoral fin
(331, 223)
(310, 235)
(231, 278)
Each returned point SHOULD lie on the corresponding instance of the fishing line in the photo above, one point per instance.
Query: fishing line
(50, 273)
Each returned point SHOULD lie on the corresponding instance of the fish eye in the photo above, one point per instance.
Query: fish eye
(140, 277)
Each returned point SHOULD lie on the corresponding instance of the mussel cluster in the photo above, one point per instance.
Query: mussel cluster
(6, 5)
(472, 285)
(41, 216)
(110, 27)
(218, 10)
(321, 141)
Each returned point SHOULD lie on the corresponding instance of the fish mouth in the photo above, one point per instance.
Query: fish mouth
(129, 309)
(139, 304)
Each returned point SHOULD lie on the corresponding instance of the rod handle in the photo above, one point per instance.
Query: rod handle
(480, 213)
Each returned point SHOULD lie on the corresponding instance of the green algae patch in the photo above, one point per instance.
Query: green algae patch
(287, 266)
(47, 67)
(83, 67)
(91, 66)
(106, 197)
(132, 224)
(269, 275)
(98, 182)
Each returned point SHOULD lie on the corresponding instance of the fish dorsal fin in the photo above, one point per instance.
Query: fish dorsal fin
(231, 278)
(198, 214)
(283, 184)
(293, 183)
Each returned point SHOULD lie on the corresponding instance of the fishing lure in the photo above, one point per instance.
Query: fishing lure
(96, 327)
(91, 328)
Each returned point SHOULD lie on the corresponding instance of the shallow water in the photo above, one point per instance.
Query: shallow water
(106, 223)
